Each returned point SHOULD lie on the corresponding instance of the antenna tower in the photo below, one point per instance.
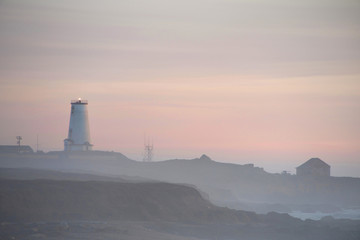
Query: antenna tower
(148, 154)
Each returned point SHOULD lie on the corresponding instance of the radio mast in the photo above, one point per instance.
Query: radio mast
(148, 153)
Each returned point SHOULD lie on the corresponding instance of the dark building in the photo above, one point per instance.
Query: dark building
(15, 149)
(313, 167)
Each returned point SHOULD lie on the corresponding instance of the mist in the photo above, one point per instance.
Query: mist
(275, 82)
(184, 120)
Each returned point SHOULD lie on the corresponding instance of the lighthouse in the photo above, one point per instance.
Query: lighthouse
(79, 134)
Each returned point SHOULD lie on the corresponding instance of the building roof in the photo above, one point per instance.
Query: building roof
(314, 162)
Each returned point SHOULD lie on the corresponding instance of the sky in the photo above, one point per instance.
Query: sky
(272, 83)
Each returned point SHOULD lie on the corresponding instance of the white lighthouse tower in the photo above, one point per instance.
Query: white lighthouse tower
(79, 135)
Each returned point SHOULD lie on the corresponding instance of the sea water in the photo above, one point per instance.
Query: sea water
(353, 214)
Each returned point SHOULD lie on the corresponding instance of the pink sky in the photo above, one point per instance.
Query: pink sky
(242, 81)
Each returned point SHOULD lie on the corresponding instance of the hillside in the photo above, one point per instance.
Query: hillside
(31, 174)
(48, 209)
(226, 184)
(48, 200)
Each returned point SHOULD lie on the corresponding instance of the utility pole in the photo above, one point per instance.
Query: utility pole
(37, 143)
(19, 138)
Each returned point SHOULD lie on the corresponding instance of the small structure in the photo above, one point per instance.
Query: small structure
(314, 167)
(15, 149)
(79, 134)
